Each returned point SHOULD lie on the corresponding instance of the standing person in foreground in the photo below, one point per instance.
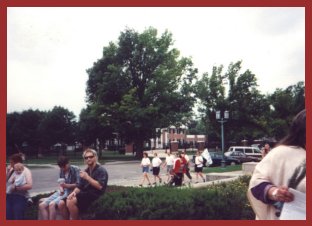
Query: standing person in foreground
(145, 163)
(16, 200)
(283, 167)
(93, 183)
(156, 162)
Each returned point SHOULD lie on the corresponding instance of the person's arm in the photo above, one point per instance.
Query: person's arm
(73, 194)
(94, 183)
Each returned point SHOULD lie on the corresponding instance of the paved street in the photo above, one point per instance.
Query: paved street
(119, 173)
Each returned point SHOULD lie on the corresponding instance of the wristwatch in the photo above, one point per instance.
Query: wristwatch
(274, 193)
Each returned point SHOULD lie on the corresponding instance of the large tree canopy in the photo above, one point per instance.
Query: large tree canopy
(141, 83)
(252, 114)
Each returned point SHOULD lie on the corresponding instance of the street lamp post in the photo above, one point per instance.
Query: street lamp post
(222, 120)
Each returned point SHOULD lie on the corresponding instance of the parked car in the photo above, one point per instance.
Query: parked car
(217, 158)
(249, 151)
(241, 157)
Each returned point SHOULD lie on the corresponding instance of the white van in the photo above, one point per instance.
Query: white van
(250, 151)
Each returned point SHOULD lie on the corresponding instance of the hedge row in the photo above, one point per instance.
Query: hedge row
(226, 201)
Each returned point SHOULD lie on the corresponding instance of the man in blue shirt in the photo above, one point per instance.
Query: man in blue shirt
(92, 185)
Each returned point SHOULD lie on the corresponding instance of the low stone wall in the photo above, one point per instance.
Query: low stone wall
(249, 167)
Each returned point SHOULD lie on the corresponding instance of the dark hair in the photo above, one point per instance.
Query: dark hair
(16, 158)
(297, 132)
(62, 161)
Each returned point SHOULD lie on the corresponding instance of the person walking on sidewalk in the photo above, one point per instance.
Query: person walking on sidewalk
(177, 171)
(187, 166)
(199, 166)
(156, 163)
(92, 184)
(145, 164)
(169, 165)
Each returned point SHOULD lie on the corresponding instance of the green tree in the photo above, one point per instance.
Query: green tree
(58, 126)
(285, 105)
(22, 130)
(142, 83)
(92, 128)
(248, 108)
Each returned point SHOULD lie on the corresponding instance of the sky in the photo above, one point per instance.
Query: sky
(49, 48)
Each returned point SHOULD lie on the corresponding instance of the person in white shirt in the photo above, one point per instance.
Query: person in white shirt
(187, 166)
(145, 163)
(156, 162)
(169, 164)
(199, 166)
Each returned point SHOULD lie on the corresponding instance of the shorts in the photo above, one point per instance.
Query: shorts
(156, 171)
(85, 199)
(198, 169)
(145, 169)
(56, 197)
(169, 168)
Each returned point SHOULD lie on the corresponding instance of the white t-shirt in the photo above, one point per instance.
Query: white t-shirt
(145, 162)
(169, 160)
(156, 162)
(199, 161)
(186, 158)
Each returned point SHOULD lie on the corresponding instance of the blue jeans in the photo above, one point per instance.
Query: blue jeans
(15, 207)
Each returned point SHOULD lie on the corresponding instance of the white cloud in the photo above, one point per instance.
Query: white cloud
(49, 49)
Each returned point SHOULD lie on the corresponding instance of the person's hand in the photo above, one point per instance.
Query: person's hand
(71, 195)
(280, 194)
(84, 175)
(13, 188)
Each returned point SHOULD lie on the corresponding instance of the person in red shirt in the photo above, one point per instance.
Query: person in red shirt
(178, 170)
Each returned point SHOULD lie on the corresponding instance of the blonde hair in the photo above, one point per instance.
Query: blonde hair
(91, 151)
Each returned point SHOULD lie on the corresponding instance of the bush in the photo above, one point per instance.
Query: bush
(225, 201)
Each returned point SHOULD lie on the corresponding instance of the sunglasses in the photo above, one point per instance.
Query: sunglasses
(89, 157)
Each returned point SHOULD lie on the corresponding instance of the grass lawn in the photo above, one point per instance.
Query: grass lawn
(219, 169)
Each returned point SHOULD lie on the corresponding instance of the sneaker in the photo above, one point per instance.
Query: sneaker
(140, 185)
(154, 183)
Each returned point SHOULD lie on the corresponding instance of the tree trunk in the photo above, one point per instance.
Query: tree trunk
(138, 148)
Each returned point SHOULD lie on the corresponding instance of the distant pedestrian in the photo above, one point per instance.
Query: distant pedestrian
(186, 166)
(199, 166)
(169, 165)
(156, 163)
(145, 164)
(265, 150)
(92, 185)
(177, 171)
